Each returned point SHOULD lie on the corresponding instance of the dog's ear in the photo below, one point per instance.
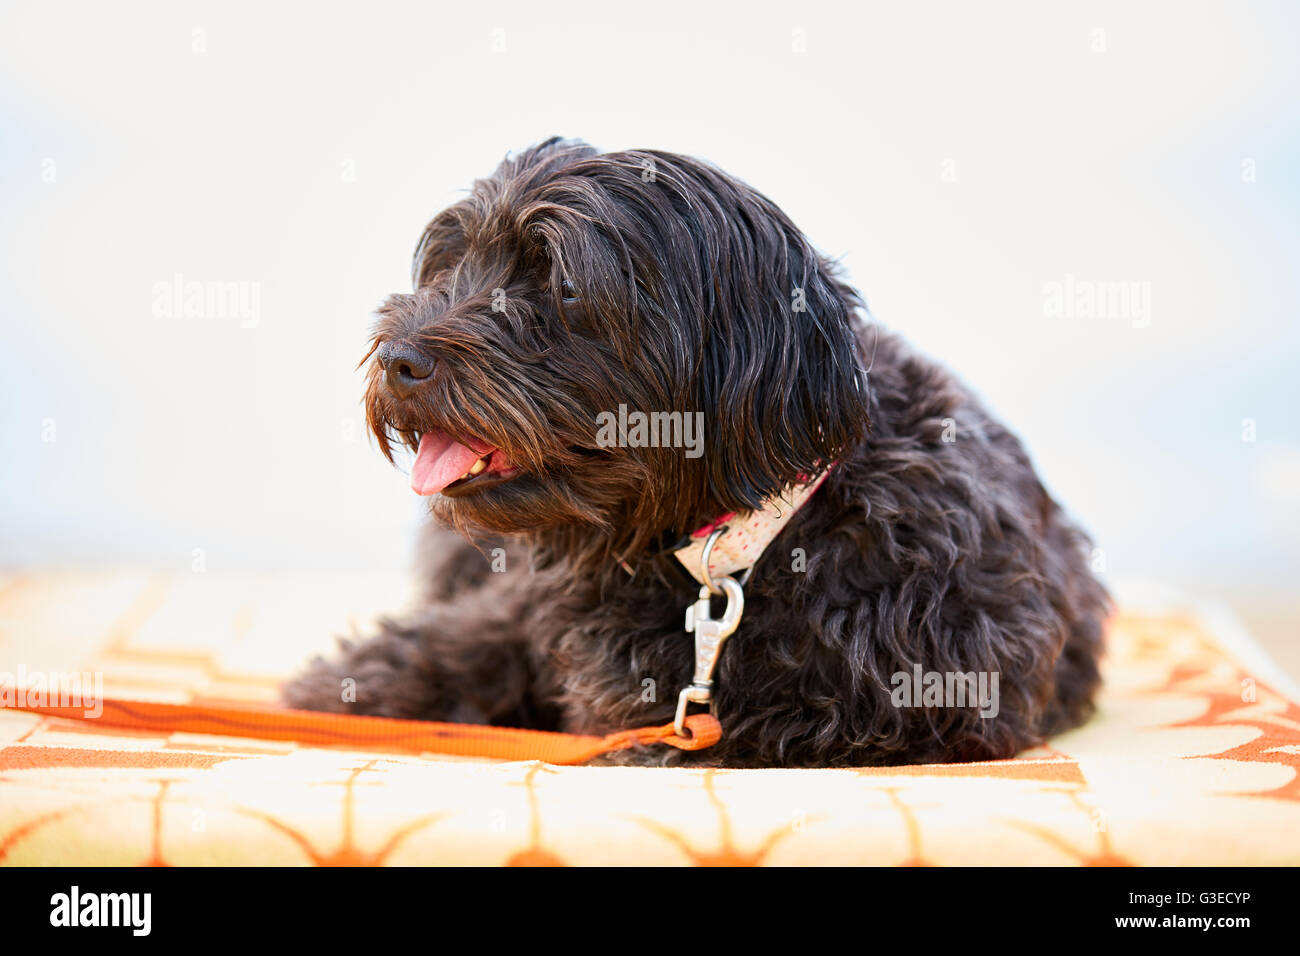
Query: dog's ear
(443, 242)
(789, 394)
(543, 158)
(441, 246)
(783, 374)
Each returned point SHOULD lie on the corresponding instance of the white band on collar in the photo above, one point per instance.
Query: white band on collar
(747, 535)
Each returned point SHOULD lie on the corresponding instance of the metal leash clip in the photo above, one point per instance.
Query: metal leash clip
(710, 633)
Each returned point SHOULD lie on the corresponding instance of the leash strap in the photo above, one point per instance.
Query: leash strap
(225, 718)
(714, 552)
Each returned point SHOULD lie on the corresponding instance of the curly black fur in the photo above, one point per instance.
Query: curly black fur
(570, 282)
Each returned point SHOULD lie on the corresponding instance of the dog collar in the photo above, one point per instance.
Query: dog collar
(723, 546)
(743, 538)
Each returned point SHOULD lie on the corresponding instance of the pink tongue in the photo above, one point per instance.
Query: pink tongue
(439, 462)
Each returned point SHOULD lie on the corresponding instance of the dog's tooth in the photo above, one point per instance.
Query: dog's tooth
(478, 466)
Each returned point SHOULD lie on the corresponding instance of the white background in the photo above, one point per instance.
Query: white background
(958, 157)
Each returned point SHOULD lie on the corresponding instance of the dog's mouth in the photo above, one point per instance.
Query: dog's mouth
(446, 466)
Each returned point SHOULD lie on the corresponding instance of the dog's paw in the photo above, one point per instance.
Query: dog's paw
(321, 687)
(363, 680)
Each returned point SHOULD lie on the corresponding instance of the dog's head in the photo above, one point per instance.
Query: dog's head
(572, 292)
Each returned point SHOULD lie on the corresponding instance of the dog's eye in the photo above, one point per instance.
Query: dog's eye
(568, 291)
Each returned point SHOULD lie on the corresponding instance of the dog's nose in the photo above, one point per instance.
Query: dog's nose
(404, 366)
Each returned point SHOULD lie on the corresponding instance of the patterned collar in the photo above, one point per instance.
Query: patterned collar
(745, 536)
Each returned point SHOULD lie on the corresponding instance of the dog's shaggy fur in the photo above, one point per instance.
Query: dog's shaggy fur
(570, 282)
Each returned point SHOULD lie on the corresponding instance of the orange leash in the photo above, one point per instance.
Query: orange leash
(225, 718)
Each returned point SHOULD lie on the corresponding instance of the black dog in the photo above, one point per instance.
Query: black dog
(573, 297)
